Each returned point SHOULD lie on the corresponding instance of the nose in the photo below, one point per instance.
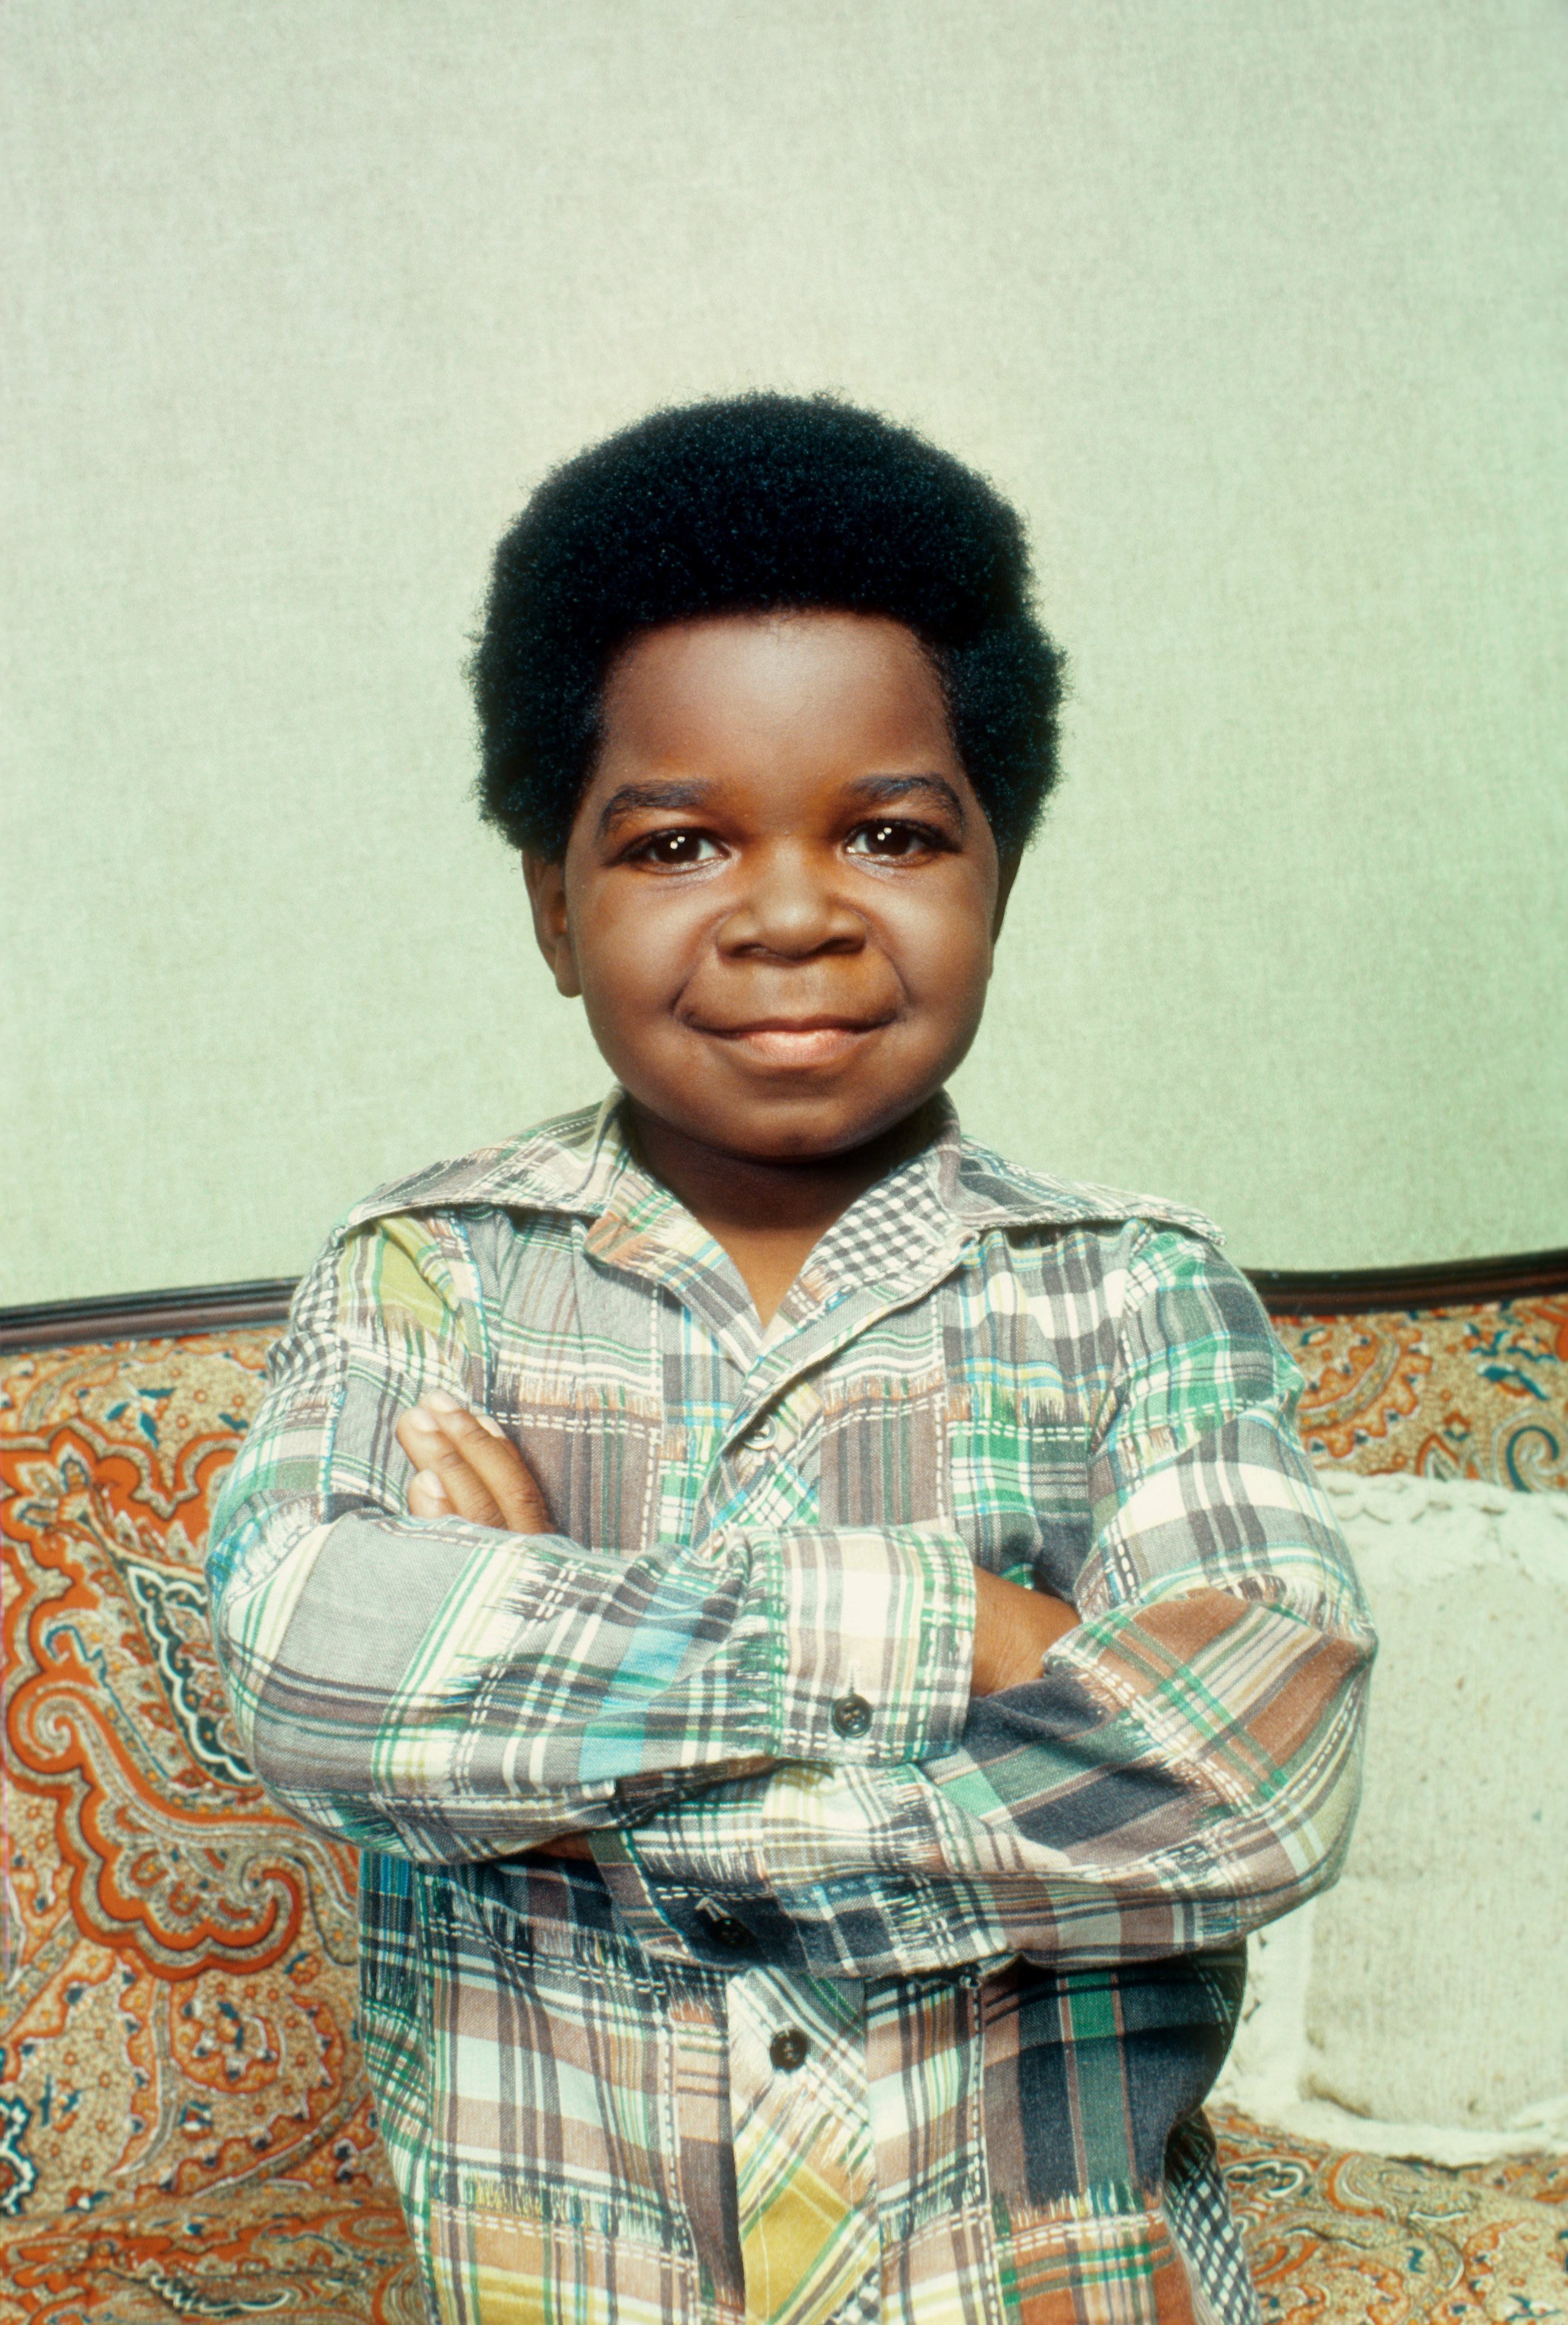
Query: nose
(790, 910)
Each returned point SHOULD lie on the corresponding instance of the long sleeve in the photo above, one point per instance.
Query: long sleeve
(447, 1691)
(1186, 1766)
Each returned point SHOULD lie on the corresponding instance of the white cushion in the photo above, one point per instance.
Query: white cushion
(1421, 2007)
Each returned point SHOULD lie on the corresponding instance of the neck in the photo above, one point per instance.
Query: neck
(746, 1190)
(769, 1215)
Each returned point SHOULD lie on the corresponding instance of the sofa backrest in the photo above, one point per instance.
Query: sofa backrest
(1474, 1388)
(179, 1958)
(180, 1971)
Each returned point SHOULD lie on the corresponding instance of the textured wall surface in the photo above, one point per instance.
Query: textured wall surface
(1259, 314)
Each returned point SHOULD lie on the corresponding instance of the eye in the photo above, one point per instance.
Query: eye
(890, 841)
(674, 851)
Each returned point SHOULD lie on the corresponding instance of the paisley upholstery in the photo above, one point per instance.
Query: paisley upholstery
(1472, 1391)
(185, 2129)
(184, 2112)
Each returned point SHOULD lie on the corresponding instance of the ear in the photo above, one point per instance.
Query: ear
(546, 884)
(1007, 872)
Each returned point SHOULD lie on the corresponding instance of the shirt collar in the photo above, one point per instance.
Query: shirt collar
(567, 1164)
(951, 1192)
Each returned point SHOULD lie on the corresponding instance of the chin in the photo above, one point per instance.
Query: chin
(809, 1135)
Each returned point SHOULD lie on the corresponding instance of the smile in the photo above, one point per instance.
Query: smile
(806, 1041)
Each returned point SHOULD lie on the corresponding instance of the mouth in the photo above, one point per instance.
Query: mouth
(797, 1041)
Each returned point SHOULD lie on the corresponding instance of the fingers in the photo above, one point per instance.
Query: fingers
(466, 1466)
(444, 1485)
(427, 1496)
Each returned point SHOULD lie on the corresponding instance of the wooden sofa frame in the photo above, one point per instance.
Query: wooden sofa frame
(1284, 1292)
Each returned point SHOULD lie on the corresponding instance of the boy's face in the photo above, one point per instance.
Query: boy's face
(780, 894)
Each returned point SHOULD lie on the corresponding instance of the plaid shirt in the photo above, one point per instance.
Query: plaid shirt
(873, 2004)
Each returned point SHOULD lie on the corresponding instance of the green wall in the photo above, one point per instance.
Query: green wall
(1259, 313)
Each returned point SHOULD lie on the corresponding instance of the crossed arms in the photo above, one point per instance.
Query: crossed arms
(431, 1674)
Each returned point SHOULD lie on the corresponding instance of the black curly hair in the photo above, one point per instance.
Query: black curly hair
(754, 504)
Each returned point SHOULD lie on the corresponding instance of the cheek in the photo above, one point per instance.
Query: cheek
(942, 945)
(633, 954)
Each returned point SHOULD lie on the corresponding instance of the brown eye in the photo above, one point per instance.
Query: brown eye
(891, 841)
(675, 850)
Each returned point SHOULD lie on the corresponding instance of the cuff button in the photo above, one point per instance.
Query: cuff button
(851, 1715)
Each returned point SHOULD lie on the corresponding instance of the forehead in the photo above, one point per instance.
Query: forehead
(756, 693)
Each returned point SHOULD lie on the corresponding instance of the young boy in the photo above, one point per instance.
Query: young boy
(828, 1640)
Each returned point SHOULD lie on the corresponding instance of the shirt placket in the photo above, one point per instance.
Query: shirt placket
(804, 2167)
(805, 2151)
(800, 2111)
(806, 2146)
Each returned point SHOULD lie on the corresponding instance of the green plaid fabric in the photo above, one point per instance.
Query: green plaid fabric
(872, 2004)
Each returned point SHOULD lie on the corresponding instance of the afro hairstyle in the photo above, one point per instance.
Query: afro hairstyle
(758, 504)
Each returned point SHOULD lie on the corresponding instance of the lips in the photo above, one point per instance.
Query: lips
(797, 1042)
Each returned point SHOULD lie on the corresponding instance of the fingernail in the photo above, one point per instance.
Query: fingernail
(486, 1422)
(439, 1402)
(422, 1417)
(432, 1485)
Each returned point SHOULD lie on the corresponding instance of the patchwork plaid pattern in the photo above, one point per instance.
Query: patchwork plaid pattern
(872, 2004)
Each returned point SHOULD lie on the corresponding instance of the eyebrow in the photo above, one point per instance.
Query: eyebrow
(882, 790)
(873, 791)
(631, 797)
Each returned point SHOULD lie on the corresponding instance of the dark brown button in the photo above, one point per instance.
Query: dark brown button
(726, 1931)
(851, 1715)
(788, 2049)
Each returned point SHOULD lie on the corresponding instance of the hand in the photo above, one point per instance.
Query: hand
(1013, 1629)
(466, 1466)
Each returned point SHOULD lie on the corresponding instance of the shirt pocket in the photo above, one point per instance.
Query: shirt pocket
(597, 1452)
(883, 1451)
(1019, 1482)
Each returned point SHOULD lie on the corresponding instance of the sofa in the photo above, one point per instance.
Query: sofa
(185, 2129)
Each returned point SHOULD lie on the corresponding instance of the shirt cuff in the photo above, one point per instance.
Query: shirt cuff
(872, 1638)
